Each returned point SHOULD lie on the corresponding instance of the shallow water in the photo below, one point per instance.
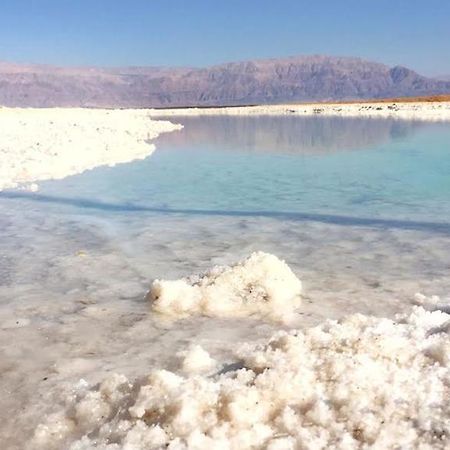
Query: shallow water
(360, 209)
(331, 166)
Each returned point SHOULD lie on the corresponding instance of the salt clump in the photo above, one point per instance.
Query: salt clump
(197, 360)
(361, 383)
(261, 284)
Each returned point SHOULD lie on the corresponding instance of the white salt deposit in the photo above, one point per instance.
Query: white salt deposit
(432, 111)
(44, 144)
(261, 284)
(197, 360)
(363, 382)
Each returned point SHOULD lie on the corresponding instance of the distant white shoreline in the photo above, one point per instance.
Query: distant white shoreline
(430, 111)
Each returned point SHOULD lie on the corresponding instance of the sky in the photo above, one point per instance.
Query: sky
(413, 33)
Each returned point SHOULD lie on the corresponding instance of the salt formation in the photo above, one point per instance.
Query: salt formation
(360, 383)
(261, 284)
(197, 360)
(429, 111)
(53, 143)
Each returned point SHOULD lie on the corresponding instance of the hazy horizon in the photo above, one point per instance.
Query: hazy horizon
(169, 66)
(141, 33)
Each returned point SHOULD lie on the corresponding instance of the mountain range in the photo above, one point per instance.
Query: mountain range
(295, 79)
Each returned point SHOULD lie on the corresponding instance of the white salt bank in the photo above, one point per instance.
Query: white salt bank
(53, 143)
(261, 285)
(434, 111)
(360, 383)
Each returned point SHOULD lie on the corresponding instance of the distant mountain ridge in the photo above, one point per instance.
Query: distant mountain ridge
(295, 79)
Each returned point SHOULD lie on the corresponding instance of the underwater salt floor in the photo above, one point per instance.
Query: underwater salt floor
(73, 274)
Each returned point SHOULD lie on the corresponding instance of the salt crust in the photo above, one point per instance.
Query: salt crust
(261, 284)
(431, 111)
(53, 143)
(360, 383)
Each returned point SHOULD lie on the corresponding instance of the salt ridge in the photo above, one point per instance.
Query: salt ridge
(363, 382)
(428, 111)
(53, 143)
(359, 383)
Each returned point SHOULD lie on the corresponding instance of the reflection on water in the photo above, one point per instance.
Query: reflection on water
(360, 168)
(102, 207)
(285, 134)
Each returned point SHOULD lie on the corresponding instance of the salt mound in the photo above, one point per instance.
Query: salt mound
(360, 383)
(197, 360)
(260, 284)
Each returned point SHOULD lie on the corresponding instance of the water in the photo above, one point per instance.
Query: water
(345, 167)
(360, 209)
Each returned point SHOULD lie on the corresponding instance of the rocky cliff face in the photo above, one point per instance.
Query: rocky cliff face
(265, 81)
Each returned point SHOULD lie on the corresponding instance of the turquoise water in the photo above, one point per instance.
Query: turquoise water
(225, 186)
(348, 169)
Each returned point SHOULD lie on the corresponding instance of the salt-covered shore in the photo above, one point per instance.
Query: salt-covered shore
(362, 382)
(52, 143)
(432, 111)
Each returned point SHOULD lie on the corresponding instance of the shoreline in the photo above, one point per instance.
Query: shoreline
(290, 387)
(437, 111)
(53, 143)
(41, 144)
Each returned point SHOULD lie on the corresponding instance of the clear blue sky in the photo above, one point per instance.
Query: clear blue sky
(414, 33)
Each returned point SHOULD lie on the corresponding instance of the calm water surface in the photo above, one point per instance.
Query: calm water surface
(332, 166)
